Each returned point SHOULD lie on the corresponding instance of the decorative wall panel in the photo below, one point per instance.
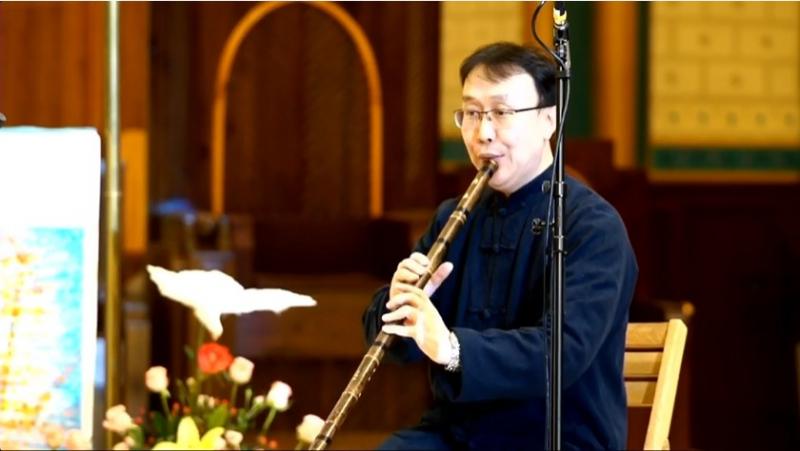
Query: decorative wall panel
(724, 90)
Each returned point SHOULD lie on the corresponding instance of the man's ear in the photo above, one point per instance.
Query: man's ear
(550, 121)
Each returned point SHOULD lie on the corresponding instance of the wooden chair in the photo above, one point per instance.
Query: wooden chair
(653, 355)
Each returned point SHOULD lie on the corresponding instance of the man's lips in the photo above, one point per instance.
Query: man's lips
(489, 156)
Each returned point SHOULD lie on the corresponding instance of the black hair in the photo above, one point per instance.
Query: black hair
(504, 59)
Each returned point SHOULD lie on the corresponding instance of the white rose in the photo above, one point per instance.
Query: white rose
(206, 401)
(219, 443)
(53, 435)
(122, 446)
(117, 420)
(233, 437)
(130, 441)
(278, 396)
(258, 400)
(309, 429)
(77, 440)
(156, 379)
(241, 370)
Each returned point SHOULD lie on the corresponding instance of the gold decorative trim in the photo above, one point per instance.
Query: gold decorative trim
(370, 67)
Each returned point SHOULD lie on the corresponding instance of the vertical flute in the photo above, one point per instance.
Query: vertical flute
(370, 361)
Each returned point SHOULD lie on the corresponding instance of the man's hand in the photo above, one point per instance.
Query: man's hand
(412, 310)
(412, 268)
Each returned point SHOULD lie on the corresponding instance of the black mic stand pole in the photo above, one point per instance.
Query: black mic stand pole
(559, 192)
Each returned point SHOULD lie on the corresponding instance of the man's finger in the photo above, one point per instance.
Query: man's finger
(408, 288)
(403, 298)
(396, 329)
(421, 259)
(405, 312)
(405, 275)
(437, 278)
(414, 266)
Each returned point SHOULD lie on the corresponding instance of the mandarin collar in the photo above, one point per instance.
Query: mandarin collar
(519, 198)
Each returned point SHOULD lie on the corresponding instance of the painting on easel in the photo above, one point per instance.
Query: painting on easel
(49, 215)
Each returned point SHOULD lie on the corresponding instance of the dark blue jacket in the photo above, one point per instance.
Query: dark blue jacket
(494, 302)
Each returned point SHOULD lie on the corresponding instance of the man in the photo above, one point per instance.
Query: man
(480, 320)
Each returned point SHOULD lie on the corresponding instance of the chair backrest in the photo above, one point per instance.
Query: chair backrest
(653, 355)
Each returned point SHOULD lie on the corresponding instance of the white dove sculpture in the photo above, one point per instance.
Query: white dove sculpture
(212, 294)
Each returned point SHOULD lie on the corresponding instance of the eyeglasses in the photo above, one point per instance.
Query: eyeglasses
(499, 117)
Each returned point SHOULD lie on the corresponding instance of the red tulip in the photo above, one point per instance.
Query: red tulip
(213, 358)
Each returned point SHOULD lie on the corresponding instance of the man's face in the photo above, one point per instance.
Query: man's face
(521, 145)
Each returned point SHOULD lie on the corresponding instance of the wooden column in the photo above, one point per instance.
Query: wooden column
(616, 68)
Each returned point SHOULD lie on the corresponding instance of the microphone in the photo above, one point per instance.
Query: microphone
(560, 21)
(560, 15)
(561, 33)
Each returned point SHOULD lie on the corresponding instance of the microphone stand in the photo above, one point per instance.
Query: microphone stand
(559, 193)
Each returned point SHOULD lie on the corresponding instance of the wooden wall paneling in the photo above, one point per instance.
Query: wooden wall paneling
(134, 64)
(301, 137)
(406, 40)
(294, 80)
(266, 160)
(297, 130)
(410, 137)
(133, 153)
(170, 119)
(95, 62)
(733, 252)
(134, 119)
(51, 63)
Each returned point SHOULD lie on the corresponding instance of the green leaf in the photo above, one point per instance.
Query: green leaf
(182, 392)
(161, 425)
(189, 352)
(194, 391)
(241, 419)
(248, 395)
(218, 417)
(200, 422)
(138, 437)
(173, 423)
(255, 410)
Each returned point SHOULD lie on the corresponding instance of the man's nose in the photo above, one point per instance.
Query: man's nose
(486, 132)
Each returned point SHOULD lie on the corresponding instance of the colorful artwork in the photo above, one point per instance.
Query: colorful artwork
(48, 277)
(40, 295)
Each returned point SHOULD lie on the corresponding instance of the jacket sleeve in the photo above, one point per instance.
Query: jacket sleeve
(505, 364)
(403, 349)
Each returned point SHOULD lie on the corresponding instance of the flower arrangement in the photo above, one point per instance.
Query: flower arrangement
(225, 422)
(189, 416)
